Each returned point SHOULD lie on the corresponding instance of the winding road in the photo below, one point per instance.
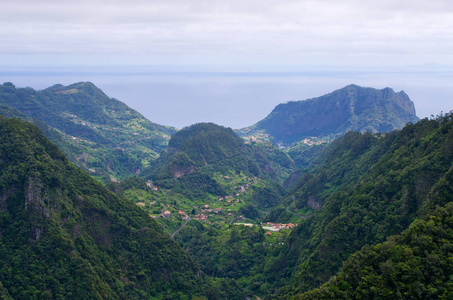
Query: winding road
(300, 216)
(180, 227)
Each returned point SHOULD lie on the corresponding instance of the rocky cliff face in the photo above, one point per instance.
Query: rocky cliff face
(350, 108)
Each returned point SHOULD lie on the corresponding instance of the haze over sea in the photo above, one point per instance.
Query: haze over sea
(234, 97)
(230, 62)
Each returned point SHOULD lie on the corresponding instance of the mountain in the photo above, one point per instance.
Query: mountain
(352, 108)
(218, 149)
(377, 222)
(207, 144)
(206, 161)
(365, 189)
(373, 210)
(100, 134)
(413, 265)
(63, 235)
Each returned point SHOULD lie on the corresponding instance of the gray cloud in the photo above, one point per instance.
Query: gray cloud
(138, 51)
(254, 31)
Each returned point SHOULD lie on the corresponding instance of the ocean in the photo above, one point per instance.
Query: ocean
(234, 99)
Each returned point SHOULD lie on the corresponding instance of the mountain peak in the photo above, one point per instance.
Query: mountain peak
(207, 143)
(353, 108)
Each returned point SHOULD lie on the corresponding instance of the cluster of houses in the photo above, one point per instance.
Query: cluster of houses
(243, 188)
(149, 183)
(311, 142)
(204, 211)
(200, 217)
(210, 210)
(204, 217)
(78, 120)
(278, 226)
(167, 214)
(271, 227)
(256, 137)
(239, 188)
(226, 198)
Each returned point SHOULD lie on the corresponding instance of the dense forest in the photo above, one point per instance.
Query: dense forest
(368, 214)
(63, 235)
(415, 264)
(364, 190)
(197, 153)
(367, 188)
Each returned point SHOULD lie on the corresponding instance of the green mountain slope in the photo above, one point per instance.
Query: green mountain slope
(63, 235)
(351, 108)
(207, 144)
(199, 153)
(414, 265)
(367, 188)
(98, 133)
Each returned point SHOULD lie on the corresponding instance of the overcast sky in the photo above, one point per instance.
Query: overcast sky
(334, 37)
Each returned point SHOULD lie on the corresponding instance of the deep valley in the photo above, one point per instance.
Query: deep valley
(345, 196)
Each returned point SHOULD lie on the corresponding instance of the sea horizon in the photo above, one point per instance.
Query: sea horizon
(234, 97)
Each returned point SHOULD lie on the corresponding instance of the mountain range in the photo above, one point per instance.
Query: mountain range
(112, 141)
(368, 214)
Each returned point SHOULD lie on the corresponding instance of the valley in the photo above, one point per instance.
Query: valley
(172, 209)
(277, 210)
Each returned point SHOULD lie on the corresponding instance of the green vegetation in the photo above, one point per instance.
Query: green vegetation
(368, 188)
(100, 134)
(373, 211)
(207, 144)
(214, 211)
(362, 189)
(305, 152)
(235, 252)
(65, 236)
(202, 156)
(413, 265)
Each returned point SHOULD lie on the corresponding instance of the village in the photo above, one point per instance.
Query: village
(207, 213)
(253, 136)
(175, 211)
(270, 227)
(202, 213)
(226, 206)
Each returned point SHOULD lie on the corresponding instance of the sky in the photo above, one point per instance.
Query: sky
(231, 62)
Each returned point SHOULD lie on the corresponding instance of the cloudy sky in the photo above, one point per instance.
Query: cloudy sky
(248, 54)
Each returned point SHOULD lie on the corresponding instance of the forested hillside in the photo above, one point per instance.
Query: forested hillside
(100, 134)
(416, 264)
(361, 190)
(199, 153)
(367, 188)
(63, 235)
(367, 214)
